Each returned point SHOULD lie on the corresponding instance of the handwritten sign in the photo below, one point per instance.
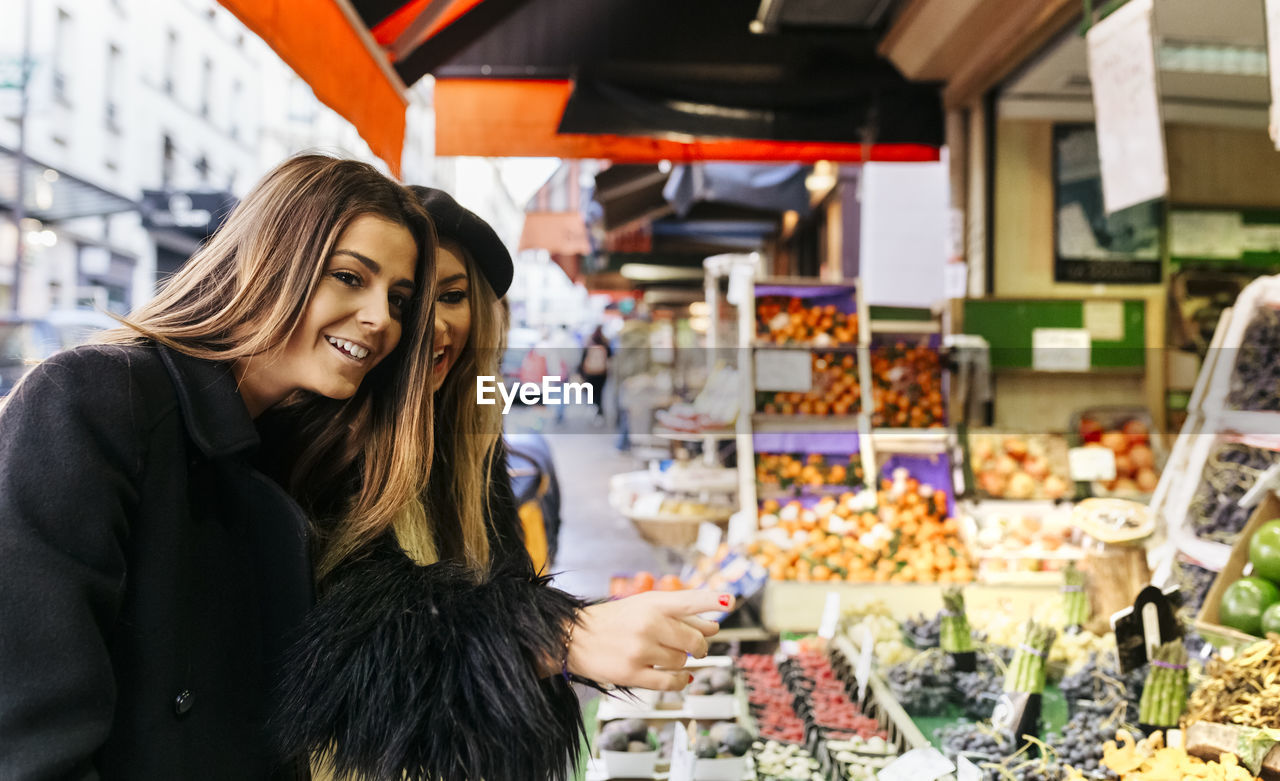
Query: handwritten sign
(784, 370)
(1061, 349)
(1126, 102)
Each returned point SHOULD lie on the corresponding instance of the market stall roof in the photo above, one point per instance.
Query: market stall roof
(632, 80)
(52, 194)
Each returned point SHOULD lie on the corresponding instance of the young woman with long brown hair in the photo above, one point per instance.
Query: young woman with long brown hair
(152, 575)
(445, 625)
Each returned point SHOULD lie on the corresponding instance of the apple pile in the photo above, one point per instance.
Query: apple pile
(1015, 466)
(1131, 443)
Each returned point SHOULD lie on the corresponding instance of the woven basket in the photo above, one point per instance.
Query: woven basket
(673, 531)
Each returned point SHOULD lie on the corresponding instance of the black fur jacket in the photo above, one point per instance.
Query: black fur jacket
(421, 673)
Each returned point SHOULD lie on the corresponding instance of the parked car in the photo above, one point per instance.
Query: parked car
(24, 342)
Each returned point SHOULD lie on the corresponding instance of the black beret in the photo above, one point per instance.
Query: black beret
(455, 222)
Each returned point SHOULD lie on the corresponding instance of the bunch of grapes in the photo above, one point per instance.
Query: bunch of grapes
(1194, 582)
(978, 741)
(923, 632)
(977, 692)
(1080, 744)
(1097, 686)
(923, 685)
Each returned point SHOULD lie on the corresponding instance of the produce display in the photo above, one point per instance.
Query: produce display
(1075, 602)
(860, 760)
(1244, 689)
(781, 761)
(908, 537)
(907, 386)
(1021, 541)
(835, 390)
(722, 740)
(627, 585)
(710, 680)
(1150, 759)
(955, 636)
(1215, 512)
(1193, 582)
(1020, 466)
(627, 735)
(1027, 671)
(1130, 442)
(769, 699)
(1252, 604)
(789, 320)
(1254, 385)
(812, 471)
(1165, 695)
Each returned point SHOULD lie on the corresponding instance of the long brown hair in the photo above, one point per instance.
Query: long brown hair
(466, 437)
(242, 294)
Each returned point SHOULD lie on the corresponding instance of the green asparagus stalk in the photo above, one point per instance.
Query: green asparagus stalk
(1027, 672)
(956, 635)
(1164, 696)
(1074, 600)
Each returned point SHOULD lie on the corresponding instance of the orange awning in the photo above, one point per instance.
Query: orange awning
(337, 57)
(518, 118)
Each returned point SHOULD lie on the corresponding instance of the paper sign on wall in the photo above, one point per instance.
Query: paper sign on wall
(784, 370)
(1104, 320)
(1060, 349)
(1126, 102)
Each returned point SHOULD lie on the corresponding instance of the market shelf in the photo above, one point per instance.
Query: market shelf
(805, 282)
(911, 440)
(839, 347)
(693, 436)
(767, 422)
(905, 327)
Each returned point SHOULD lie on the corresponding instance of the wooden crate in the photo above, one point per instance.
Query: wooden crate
(1207, 622)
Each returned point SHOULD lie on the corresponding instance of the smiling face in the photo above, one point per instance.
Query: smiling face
(351, 323)
(453, 310)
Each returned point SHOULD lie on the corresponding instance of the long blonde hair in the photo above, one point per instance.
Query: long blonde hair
(356, 464)
(466, 437)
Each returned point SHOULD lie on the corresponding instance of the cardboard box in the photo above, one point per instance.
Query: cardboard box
(1207, 622)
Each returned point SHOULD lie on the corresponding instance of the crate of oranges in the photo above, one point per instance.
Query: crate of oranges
(835, 390)
(809, 473)
(790, 320)
(907, 386)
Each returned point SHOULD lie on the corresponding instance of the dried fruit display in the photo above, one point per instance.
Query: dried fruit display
(1255, 384)
(1243, 690)
(907, 386)
(1019, 466)
(835, 390)
(789, 320)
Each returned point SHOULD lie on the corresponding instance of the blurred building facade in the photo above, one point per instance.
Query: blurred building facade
(141, 119)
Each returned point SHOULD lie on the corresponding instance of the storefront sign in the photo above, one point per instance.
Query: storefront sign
(1126, 100)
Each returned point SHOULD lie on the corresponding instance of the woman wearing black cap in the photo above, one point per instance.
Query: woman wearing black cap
(462, 643)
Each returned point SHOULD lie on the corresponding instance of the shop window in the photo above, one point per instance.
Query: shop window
(167, 162)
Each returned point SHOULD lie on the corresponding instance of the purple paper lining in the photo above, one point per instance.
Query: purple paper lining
(933, 471)
(1167, 665)
(826, 443)
(806, 291)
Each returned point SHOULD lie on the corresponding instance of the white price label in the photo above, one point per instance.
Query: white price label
(918, 764)
(967, 771)
(682, 756)
(784, 370)
(866, 654)
(708, 539)
(742, 527)
(1086, 464)
(830, 616)
(1061, 349)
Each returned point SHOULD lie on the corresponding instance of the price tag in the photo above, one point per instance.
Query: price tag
(830, 616)
(866, 654)
(918, 764)
(966, 770)
(784, 370)
(1143, 627)
(648, 505)
(1086, 464)
(1060, 349)
(682, 757)
(742, 527)
(708, 539)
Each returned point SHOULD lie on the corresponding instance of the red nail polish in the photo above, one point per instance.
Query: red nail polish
(724, 600)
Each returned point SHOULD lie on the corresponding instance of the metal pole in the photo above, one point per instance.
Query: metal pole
(19, 207)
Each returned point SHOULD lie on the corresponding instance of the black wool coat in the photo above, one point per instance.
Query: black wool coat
(150, 577)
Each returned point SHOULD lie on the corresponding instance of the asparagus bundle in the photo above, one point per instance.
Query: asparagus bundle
(1026, 672)
(956, 637)
(1164, 696)
(1074, 600)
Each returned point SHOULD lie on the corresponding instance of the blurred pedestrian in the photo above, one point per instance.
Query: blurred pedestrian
(595, 368)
